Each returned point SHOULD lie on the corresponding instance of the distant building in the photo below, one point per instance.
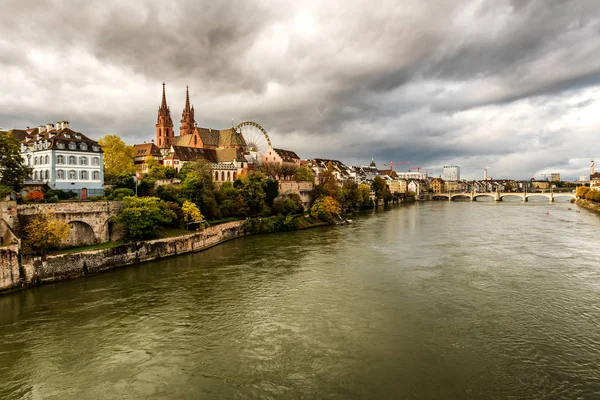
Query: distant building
(555, 177)
(62, 159)
(438, 185)
(583, 178)
(451, 173)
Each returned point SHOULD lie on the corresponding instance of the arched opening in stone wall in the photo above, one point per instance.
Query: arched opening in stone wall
(81, 234)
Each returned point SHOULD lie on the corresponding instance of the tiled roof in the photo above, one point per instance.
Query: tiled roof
(287, 155)
(231, 137)
(193, 153)
(145, 150)
(54, 137)
(210, 137)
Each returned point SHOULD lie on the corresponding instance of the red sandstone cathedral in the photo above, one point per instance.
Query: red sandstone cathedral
(193, 142)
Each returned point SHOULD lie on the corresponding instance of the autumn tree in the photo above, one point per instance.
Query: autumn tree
(198, 187)
(12, 169)
(142, 215)
(45, 232)
(365, 194)
(118, 157)
(325, 209)
(191, 212)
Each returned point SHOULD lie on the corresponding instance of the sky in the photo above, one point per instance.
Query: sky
(511, 85)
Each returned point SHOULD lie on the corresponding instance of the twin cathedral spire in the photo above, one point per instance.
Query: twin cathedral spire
(165, 135)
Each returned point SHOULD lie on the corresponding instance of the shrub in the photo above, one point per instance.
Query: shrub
(52, 199)
(60, 194)
(35, 195)
(95, 198)
(119, 194)
(325, 209)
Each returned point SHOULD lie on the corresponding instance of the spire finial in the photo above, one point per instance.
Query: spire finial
(164, 99)
(187, 100)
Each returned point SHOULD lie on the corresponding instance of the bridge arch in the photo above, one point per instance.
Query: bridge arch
(439, 196)
(81, 234)
(476, 196)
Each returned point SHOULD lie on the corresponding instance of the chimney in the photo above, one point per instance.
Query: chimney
(65, 124)
(41, 128)
(591, 168)
(49, 127)
(58, 126)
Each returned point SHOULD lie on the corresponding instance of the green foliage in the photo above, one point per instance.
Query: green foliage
(119, 194)
(168, 193)
(253, 192)
(60, 194)
(12, 169)
(231, 201)
(278, 223)
(290, 204)
(124, 181)
(305, 174)
(325, 208)
(198, 187)
(379, 187)
(95, 198)
(142, 215)
(271, 191)
(351, 197)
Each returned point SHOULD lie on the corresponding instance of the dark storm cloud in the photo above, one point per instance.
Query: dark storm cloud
(454, 81)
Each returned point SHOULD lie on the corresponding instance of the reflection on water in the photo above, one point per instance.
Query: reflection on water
(434, 300)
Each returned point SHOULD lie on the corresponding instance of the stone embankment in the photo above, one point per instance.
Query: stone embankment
(588, 204)
(18, 271)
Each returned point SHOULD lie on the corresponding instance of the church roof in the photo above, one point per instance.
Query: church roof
(221, 138)
(185, 153)
(145, 150)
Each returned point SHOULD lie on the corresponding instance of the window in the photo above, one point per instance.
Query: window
(35, 176)
(95, 148)
(35, 161)
(60, 145)
(72, 160)
(67, 135)
(47, 159)
(228, 176)
(83, 160)
(96, 161)
(47, 175)
(60, 159)
(222, 175)
(217, 176)
(72, 146)
(46, 144)
(83, 175)
(60, 174)
(96, 175)
(234, 175)
(72, 174)
(28, 160)
(83, 146)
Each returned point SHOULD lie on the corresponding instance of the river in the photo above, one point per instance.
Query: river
(438, 300)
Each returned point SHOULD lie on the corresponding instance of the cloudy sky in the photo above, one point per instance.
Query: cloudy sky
(512, 85)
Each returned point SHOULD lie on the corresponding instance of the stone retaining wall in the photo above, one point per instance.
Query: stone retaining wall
(65, 266)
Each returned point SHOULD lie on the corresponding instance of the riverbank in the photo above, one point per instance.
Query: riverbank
(18, 271)
(588, 205)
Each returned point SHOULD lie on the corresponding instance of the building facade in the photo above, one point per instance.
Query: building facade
(451, 173)
(62, 159)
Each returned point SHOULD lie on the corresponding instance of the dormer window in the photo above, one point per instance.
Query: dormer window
(72, 146)
(77, 136)
(60, 145)
(83, 146)
(95, 148)
(67, 135)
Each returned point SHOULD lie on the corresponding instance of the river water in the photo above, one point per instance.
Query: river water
(439, 300)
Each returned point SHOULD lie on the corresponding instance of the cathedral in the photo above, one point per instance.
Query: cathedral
(224, 149)
(191, 135)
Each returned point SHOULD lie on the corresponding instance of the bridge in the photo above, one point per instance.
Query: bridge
(91, 222)
(498, 196)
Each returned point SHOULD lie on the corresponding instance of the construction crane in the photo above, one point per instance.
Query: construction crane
(545, 176)
(391, 164)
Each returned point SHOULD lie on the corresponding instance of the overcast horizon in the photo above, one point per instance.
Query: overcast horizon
(509, 85)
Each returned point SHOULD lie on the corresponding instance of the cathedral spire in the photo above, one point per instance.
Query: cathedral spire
(163, 105)
(187, 117)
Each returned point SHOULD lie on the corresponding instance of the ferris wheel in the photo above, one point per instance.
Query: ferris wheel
(257, 139)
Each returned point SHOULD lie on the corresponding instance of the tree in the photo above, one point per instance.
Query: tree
(231, 202)
(12, 169)
(288, 204)
(365, 195)
(118, 157)
(379, 187)
(191, 213)
(142, 215)
(271, 191)
(325, 209)
(305, 174)
(198, 187)
(253, 191)
(45, 232)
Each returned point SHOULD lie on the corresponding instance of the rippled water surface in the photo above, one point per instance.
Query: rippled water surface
(435, 300)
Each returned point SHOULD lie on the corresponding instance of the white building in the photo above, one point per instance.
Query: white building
(451, 173)
(62, 159)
